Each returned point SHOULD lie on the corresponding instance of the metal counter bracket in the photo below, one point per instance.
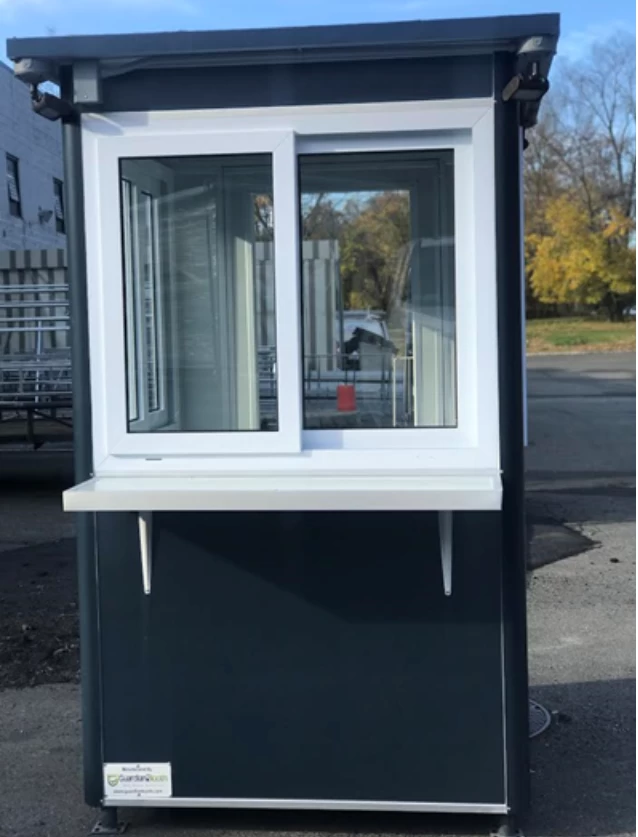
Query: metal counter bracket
(145, 526)
(445, 538)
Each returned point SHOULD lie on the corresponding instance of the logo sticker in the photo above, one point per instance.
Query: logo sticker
(143, 780)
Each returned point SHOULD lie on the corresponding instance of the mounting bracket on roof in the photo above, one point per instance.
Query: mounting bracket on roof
(87, 83)
(87, 86)
(530, 84)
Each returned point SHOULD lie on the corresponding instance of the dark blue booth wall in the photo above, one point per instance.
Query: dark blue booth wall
(306, 655)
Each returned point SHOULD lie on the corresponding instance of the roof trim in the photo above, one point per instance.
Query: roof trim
(294, 44)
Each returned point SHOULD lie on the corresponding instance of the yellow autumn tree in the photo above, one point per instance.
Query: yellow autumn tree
(580, 178)
(577, 260)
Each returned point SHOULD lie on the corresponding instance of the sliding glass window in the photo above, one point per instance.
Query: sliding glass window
(378, 289)
(199, 289)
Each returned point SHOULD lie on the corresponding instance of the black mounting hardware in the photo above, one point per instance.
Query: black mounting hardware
(528, 88)
(107, 823)
(49, 106)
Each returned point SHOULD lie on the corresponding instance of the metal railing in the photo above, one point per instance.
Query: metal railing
(35, 359)
(324, 371)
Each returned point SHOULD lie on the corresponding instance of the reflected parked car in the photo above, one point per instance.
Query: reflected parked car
(361, 329)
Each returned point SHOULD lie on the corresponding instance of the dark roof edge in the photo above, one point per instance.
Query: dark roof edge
(487, 33)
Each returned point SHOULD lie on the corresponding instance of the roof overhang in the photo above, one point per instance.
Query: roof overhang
(118, 54)
(97, 58)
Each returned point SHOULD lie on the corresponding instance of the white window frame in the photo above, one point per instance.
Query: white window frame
(465, 126)
(102, 155)
(464, 434)
(146, 418)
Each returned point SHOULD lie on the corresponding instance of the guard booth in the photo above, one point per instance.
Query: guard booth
(295, 267)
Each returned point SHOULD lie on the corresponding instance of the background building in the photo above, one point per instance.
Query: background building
(31, 200)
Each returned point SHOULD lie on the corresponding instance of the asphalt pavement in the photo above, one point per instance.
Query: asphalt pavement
(581, 413)
(581, 474)
(581, 497)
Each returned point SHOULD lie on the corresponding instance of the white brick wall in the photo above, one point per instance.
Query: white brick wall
(37, 143)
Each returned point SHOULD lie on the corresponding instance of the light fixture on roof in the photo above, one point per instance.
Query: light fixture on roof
(530, 84)
(529, 87)
(48, 105)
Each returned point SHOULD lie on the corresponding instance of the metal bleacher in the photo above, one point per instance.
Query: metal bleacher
(35, 362)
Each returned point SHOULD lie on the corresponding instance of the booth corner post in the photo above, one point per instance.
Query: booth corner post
(509, 235)
(86, 551)
(290, 598)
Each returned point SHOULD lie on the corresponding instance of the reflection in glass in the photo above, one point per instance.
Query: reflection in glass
(200, 294)
(378, 290)
(148, 237)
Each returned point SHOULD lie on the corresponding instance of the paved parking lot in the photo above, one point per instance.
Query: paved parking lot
(582, 659)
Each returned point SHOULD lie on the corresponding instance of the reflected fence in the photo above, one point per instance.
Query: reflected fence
(35, 361)
(339, 394)
(381, 391)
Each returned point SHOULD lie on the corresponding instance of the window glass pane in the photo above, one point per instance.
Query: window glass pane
(378, 290)
(199, 290)
(58, 205)
(13, 186)
(58, 199)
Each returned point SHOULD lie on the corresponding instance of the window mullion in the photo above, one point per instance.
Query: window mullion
(287, 292)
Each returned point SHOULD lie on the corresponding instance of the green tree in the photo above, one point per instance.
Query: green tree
(374, 249)
(321, 220)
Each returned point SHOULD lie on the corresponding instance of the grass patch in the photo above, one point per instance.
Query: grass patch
(566, 334)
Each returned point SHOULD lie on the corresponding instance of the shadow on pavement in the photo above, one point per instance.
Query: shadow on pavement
(549, 539)
(30, 469)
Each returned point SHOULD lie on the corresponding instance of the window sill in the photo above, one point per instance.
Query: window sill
(388, 492)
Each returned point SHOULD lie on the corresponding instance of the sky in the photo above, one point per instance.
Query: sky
(582, 21)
